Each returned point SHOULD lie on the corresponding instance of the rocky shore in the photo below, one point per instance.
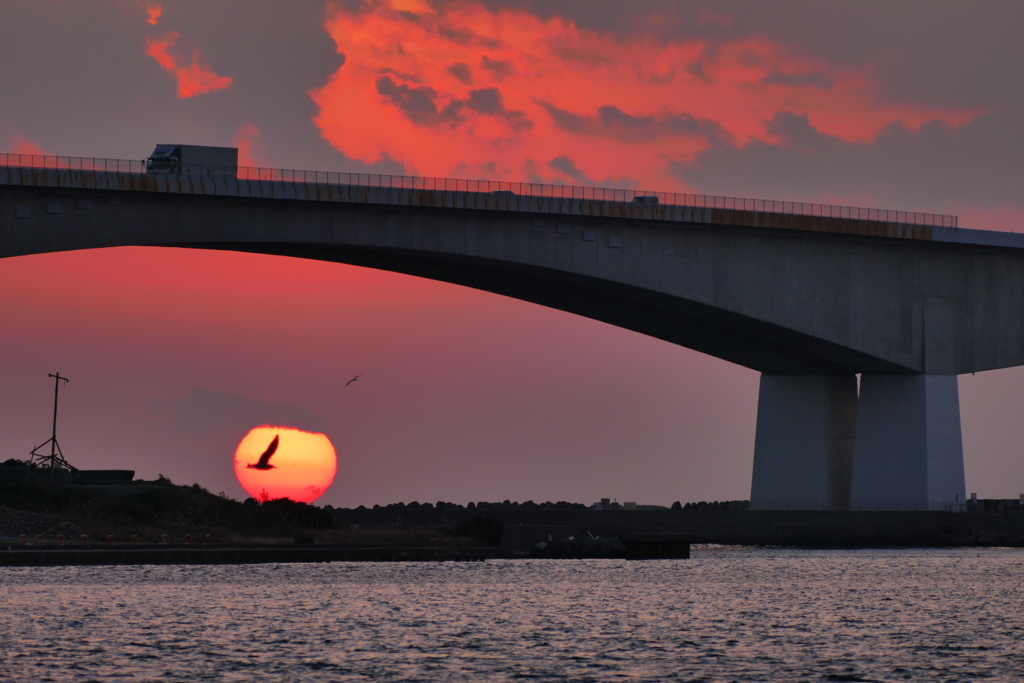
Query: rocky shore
(35, 525)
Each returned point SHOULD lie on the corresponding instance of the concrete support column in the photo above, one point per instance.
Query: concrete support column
(909, 453)
(803, 448)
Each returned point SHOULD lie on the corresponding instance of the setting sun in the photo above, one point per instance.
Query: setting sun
(284, 462)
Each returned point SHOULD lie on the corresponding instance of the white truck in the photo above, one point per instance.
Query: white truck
(193, 160)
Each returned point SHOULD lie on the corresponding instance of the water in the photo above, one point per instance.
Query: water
(726, 614)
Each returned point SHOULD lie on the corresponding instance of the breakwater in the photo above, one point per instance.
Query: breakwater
(132, 555)
(523, 528)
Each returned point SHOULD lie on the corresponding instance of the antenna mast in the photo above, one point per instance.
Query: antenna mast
(55, 460)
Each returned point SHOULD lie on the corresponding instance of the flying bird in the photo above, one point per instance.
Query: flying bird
(352, 380)
(264, 461)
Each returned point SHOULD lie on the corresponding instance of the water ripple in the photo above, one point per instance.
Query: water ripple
(726, 614)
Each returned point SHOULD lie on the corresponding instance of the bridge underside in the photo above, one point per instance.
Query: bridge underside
(739, 339)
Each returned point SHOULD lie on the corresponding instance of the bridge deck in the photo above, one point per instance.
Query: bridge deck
(129, 176)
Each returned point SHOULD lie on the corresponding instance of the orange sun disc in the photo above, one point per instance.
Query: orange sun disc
(284, 462)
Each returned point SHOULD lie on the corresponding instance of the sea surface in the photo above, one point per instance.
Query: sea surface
(726, 614)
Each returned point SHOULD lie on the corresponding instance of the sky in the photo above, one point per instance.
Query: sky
(174, 355)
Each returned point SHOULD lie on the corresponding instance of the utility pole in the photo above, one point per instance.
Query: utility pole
(55, 460)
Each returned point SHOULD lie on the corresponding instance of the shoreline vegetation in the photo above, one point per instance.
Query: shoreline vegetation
(157, 521)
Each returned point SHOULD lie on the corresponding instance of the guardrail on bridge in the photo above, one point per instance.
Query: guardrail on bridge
(507, 189)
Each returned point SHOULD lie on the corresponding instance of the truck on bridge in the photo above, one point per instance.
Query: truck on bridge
(193, 160)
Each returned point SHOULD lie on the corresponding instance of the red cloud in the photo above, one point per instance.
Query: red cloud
(194, 78)
(249, 141)
(23, 145)
(155, 10)
(503, 93)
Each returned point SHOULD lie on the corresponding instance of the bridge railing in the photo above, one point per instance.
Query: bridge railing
(519, 189)
(72, 163)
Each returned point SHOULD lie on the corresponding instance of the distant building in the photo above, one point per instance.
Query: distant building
(609, 504)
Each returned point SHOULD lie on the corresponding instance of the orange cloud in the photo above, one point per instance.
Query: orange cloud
(155, 11)
(22, 145)
(505, 94)
(249, 141)
(194, 78)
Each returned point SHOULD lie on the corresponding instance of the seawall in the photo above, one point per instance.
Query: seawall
(523, 528)
(125, 555)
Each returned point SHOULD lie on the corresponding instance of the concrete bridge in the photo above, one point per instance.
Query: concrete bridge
(811, 296)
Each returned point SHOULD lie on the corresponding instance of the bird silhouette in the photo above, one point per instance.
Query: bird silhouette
(264, 461)
(352, 380)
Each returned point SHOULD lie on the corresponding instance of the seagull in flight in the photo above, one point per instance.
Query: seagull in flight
(264, 461)
(352, 380)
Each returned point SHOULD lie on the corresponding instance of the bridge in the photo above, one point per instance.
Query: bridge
(859, 320)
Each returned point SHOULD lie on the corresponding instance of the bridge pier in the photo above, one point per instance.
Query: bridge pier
(909, 451)
(804, 444)
(820, 446)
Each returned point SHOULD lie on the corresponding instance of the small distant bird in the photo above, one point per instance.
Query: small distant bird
(352, 380)
(264, 461)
